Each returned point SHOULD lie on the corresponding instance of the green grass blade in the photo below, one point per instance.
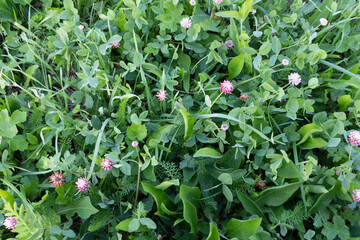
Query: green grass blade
(97, 146)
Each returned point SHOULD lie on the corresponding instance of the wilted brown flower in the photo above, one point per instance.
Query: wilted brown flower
(57, 179)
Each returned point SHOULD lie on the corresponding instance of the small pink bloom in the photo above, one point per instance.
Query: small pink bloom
(162, 95)
(253, 11)
(81, 27)
(323, 21)
(10, 222)
(244, 97)
(356, 195)
(218, 1)
(106, 164)
(57, 179)
(226, 87)
(285, 62)
(115, 44)
(229, 44)
(82, 184)
(185, 22)
(135, 144)
(224, 127)
(354, 138)
(294, 79)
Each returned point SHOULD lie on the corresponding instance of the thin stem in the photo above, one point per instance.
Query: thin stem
(238, 84)
(350, 151)
(214, 102)
(138, 179)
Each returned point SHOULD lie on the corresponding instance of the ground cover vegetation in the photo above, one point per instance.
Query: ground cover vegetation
(174, 119)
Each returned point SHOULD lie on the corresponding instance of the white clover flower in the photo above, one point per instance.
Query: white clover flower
(294, 79)
(285, 62)
(186, 22)
(323, 21)
(192, 2)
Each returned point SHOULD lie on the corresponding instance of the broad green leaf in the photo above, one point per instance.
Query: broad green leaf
(148, 223)
(265, 48)
(344, 101)
(7, 197)
(234, 34)
(207, 152)
(124, 225)
(134, 225)
(136, 132)
(288, 170)
(184, 61)
(333, 142)
(227, 193)
(312, 143)
(276, 45)
(190, 197)
(166, 184)
(276, 196)
(214, 233)
(250, 205)
(307, 130)
(325, 199)
(6, 12)
(245, 9)
(228, 14)
(160, 198)
(242, 229)
(130, 3)
(69, 5)
(83, 208)
(248, 50)
(189, 124)
(8, 125)
(225, 178)
(121, 21)
(235, 66)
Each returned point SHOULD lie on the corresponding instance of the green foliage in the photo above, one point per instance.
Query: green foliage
(243, 229)
(81, 80)
(82, 207)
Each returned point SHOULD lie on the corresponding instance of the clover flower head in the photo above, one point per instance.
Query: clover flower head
(229, 44)
(162, 95)
(135, 144)
(115, 44)
(57, 179)
(185, 22)
(224, 127)
(356, 195)
(285, 62)
(226, 87)
(354, 138)
(106, 164)
(217, 1)
(192, 2)
(10, 222)
(294, 79)
(244, 97)
(253, 11)
(323, 21)
(81, 27)
(261, 183)
(82, 184)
